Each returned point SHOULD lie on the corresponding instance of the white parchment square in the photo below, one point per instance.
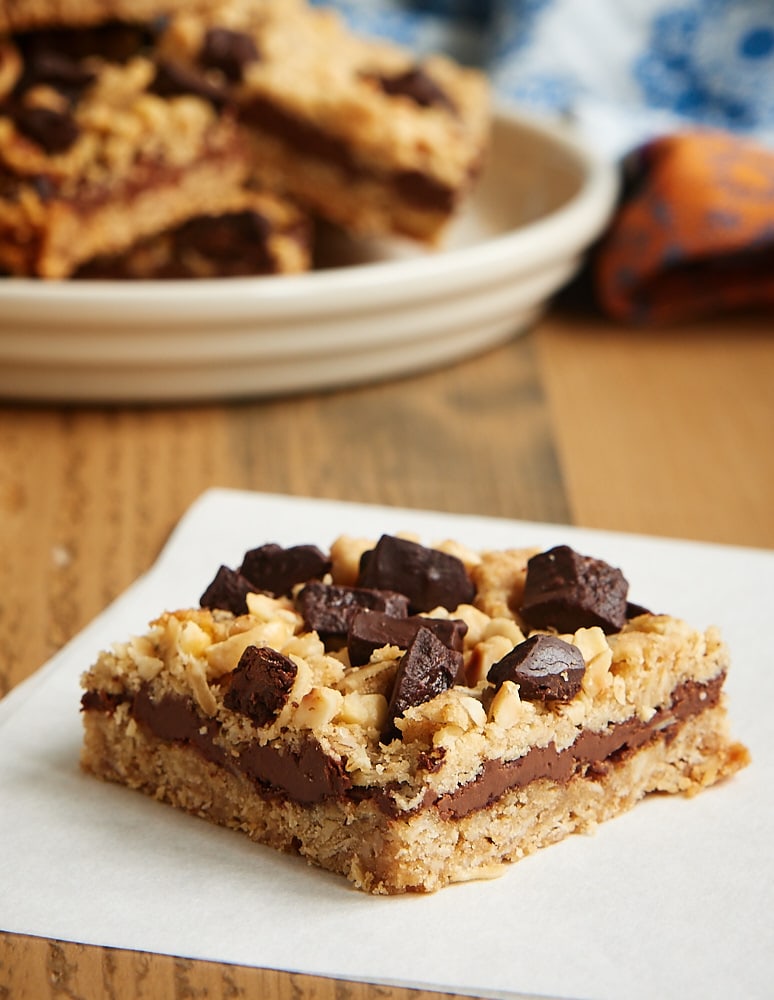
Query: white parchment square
(671, 900)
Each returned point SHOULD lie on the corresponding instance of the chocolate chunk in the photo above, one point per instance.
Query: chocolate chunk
(115, 41)
(228, 590)
(54, 131)
(173, 80)
(43, 185)
(417, 84)
(544, 666)
(370, 630)
(260, 684)
(58, 71)
(277, 570)
(635, 610)
(329, 609)
(429, 578)
(567, 591)
(426, 669)
(235, 240)
(228, 51)
(119, 41)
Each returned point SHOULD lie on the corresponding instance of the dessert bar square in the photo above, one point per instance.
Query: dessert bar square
(411, 715)
(97, 153)
(358, 130)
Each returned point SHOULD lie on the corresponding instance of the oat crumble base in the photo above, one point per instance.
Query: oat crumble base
(385, 834)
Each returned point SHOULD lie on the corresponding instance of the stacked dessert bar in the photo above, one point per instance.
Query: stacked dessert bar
(142, 139)
(411, 716)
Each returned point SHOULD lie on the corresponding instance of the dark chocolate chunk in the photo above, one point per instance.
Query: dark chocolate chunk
(429, 578)
(228, 51)
(173, 79)
(277, 570)
(58, 71)
(228, 590)
(329, 609)
(260, 684)
(43, 185)
(231, 239)
(635, 610)
(544, 666)
(417, 84)
(54, 131)
(426, 669)
(371, 630)
(114, 41)
(567, 591)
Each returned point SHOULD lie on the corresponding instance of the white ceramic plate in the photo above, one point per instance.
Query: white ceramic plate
(377, 309)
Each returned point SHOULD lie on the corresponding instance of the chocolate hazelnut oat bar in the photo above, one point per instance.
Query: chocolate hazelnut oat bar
(97, 151)
(115, 131)
(357, 130)
(411, 716)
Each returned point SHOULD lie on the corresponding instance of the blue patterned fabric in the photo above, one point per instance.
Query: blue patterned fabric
(624, 70)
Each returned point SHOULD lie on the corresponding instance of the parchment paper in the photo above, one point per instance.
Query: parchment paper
(672, 900)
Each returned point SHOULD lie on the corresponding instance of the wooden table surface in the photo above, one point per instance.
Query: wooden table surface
(579, 421)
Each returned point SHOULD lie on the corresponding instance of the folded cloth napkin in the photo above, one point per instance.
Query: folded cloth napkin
(695, 235)
(687, 83)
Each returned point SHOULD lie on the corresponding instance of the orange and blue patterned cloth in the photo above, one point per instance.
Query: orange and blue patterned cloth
(695, 235)
(684, 88)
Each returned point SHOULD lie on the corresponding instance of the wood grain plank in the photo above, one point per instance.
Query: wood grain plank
(37, 969)
(665, 432)
(471, 438)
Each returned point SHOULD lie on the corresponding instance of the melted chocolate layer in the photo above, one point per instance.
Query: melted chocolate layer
(411, 185)
(308, 775)
(591, 752)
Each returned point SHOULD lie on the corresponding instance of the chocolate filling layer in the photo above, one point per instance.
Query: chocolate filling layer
(591, 753)
(411, 185)
(308, 775)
